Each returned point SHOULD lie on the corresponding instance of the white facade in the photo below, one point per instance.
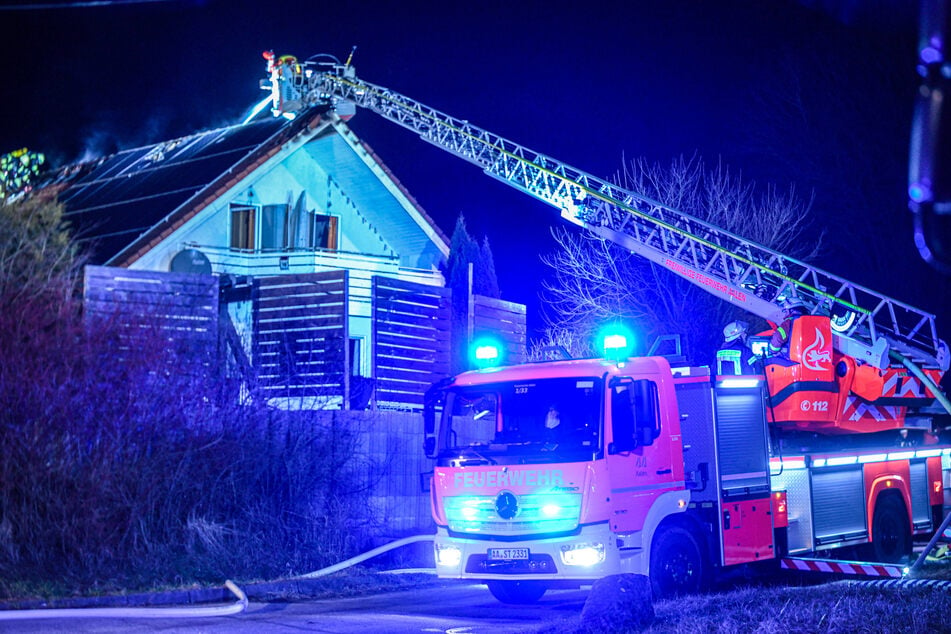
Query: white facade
(325, 183)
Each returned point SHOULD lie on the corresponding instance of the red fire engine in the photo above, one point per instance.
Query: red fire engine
(567, 471)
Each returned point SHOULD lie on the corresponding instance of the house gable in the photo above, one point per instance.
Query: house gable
(143, 206)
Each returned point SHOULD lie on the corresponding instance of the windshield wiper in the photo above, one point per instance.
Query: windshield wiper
(472, 451)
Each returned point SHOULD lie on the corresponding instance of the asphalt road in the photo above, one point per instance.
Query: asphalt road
(450, 609)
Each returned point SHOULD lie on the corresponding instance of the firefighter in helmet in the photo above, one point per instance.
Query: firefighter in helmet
(793, 309)
(734, 355)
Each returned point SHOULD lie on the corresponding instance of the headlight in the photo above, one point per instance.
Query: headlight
(582, 554)
(447, 555)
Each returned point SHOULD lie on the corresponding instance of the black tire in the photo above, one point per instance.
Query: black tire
(677, 565)
(517, 592)
(891, 535)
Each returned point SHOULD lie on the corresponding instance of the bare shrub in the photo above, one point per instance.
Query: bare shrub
(128, 462)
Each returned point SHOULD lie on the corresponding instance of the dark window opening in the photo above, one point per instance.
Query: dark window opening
(287, 228)
(242, 227)
(356, 345)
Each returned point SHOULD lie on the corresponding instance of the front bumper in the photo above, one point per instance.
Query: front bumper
(467, 558)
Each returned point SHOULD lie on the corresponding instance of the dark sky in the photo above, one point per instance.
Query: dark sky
(589, 84)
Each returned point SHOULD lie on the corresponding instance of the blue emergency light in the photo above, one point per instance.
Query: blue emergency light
(486, 353)
(616, 342)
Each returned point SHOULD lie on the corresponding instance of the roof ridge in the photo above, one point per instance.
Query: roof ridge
(80, 164)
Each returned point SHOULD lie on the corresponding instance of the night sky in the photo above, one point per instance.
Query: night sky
(589, 84)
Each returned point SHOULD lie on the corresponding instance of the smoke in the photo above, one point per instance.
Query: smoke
(97, 143)
(113, 132)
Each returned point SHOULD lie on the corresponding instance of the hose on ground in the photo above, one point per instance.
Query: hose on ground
(940, 584)
(209, 610)
(367, 555)
(139, 613)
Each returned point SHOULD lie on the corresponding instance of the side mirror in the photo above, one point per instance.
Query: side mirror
(426, 481)
(430, 400)
(429, 419)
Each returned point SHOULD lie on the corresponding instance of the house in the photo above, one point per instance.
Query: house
(327, 271)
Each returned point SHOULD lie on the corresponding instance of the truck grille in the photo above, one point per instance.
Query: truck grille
(534, 513)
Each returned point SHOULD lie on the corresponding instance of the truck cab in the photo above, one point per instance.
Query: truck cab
(554, 473)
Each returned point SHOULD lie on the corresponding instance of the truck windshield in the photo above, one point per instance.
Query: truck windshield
(540, 420)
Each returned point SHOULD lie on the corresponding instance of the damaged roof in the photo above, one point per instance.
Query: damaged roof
(122, 205)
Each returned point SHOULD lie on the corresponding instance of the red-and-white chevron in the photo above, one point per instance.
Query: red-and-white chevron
(898, 384)
(842, 567)
(856, 409)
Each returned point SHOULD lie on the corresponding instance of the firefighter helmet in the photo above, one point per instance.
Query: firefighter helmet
(734, 330)
(794, 303)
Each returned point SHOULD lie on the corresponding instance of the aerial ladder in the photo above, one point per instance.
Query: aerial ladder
(886, 356)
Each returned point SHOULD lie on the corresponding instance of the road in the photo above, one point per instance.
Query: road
(453, 608)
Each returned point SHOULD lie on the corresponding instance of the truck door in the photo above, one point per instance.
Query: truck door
(742, 473)
(639, 452)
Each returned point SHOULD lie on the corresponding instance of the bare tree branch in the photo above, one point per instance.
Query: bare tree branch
(595, 281)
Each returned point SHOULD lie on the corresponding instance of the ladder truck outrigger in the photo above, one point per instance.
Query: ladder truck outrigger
(562, 472)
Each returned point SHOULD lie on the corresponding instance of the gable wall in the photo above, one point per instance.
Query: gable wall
(362, 249)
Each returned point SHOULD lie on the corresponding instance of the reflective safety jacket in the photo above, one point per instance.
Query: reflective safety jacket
(735, 357)
(780, 338)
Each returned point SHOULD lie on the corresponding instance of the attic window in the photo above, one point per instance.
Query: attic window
(242, 227)
(325, 231)
(288, 228)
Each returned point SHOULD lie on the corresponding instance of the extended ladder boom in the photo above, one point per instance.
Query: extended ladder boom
(867, 324)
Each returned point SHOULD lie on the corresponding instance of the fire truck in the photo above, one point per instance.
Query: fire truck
(563, 472)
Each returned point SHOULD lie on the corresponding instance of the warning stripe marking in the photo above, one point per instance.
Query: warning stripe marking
(842, 567)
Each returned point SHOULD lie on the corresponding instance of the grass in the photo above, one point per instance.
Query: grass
(840, 607)
(353, 582)
(847, 606)
(836, 607)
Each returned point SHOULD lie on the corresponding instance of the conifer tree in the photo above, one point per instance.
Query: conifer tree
(463, 251)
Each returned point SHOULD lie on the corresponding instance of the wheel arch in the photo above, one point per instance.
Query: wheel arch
(690, 524)
(881, 489)
(668, 509)
(894, 542)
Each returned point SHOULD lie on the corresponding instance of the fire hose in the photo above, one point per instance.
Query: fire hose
(369, 555)
(140, 613)
(209, 610)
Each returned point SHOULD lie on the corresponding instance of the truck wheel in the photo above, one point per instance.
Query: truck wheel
(676, 564)
(517, 592)
(891, 538)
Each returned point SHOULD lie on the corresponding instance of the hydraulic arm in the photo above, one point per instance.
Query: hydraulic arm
(867, 325)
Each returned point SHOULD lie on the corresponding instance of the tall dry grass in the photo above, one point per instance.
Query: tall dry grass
(120, 469)
(128, 462)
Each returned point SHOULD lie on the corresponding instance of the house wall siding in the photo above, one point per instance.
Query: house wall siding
(359, 200)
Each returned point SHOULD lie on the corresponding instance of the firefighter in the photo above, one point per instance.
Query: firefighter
(793, 309)
(734, 355)
(552, 418)
(553, 431)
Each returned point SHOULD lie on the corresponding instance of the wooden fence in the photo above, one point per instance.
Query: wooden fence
(504, 321)
(181, 308)
(410, 340)
(300, 343)
(299, 337)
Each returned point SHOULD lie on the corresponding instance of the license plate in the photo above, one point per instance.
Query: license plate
(508, 553)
